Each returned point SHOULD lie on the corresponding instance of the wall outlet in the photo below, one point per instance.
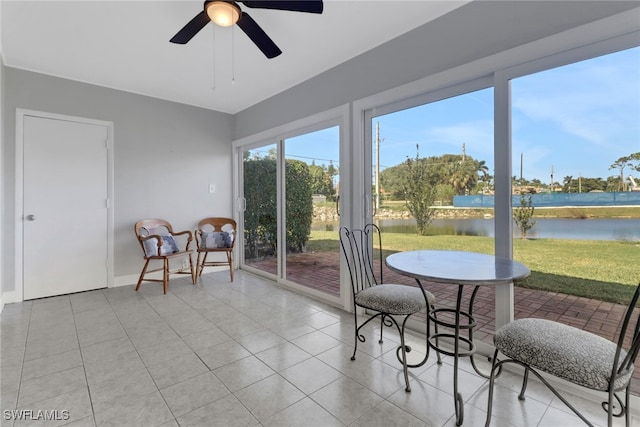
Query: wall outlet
(212, 188)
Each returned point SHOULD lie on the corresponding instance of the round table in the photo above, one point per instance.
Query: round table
(464, 269)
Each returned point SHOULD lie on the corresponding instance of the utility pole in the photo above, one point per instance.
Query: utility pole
(377, 170)
(521, 159)
(579, 182)
(552, 178)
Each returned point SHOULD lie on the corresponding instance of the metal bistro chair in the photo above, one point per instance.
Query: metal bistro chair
(371, 293)
(574, 355)
(157, 240)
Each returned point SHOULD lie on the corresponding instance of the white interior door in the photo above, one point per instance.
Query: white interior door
(65, 213)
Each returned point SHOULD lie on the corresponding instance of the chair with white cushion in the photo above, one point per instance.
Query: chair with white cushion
(362, 249)
(215, 235)
(158, 242)
(577, 356)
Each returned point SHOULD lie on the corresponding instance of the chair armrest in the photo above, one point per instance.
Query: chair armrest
(151, 236)
(197, 234)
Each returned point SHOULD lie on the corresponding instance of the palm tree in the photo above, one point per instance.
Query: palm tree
(463, 175)
(483, 170)
(566, 183)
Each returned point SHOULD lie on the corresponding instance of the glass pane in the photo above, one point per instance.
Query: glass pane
(576, 144)
(432, 185)
(311, 189)
(260, 215)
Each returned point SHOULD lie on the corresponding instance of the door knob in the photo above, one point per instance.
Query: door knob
(31, 217)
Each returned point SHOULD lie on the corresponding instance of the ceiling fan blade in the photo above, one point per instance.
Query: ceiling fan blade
(191, 29)
(258, 36)
(311, 6)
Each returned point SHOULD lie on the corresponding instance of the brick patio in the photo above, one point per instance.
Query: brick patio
(321, 271)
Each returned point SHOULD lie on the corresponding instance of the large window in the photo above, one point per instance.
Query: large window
(432, 182)
(572, 137)
(576, 158)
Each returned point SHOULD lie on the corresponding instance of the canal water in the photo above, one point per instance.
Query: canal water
(545, 228)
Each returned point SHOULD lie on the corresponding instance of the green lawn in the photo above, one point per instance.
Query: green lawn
(605, 270)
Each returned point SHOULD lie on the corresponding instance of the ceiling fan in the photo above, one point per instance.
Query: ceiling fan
(226, 13)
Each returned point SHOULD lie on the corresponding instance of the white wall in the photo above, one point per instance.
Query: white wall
(166, 155)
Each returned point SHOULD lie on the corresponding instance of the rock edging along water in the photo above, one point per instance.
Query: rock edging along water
(328, 214)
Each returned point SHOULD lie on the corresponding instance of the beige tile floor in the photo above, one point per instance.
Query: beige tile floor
(247, 353)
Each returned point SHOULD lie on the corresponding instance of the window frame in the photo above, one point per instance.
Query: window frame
(553, 52)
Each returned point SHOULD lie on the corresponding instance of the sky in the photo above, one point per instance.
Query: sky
(577, 120)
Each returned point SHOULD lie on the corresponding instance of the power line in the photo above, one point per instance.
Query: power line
(289, 156)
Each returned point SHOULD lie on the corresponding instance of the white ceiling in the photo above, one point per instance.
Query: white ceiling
(125, 45)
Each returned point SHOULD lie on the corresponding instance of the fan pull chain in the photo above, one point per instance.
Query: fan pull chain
(233, 56)
(213, 71)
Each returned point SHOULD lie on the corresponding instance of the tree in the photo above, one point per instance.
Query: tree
(485, 178)
(463, 175)
(632, 161)
(613, 183)
(593, 184)
(419, 192)
(523, 216)
(566, 184)
(332, 172)
(321, 180)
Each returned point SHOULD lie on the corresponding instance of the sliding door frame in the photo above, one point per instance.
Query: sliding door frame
(340, 117)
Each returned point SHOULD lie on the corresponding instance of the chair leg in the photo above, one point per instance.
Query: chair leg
(193, 273)
(404, 357)
(165, 276)
(230, 260)
(200, 267)
(609, 405)
(525, 380)
(144, 269)
(355, 345)
(610, 409)
(627, 417)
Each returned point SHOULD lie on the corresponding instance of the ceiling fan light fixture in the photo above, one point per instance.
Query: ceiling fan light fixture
(223, 13)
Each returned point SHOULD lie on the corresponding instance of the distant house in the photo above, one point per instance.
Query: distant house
(319, 198)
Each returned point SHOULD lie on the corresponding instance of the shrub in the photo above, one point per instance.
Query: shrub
(260, 216)
(523, 216)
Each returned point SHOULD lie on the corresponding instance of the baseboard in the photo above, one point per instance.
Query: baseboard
(128, 280)
(7, 298)
(132, 279)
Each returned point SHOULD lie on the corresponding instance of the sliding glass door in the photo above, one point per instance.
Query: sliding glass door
(260, 215)
(289, 210)
(312, 178)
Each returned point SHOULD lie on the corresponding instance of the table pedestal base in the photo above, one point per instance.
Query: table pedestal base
(463, 346)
